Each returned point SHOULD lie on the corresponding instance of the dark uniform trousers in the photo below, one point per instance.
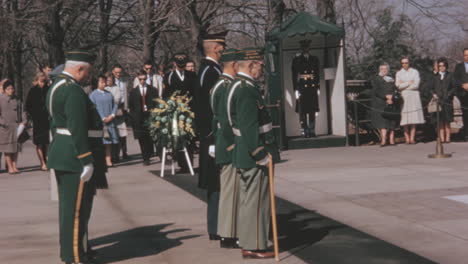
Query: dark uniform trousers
(75, 202)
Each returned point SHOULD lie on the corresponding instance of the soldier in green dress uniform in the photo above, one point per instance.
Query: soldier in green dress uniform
(70, 154)
(254, 140)
(222, 151)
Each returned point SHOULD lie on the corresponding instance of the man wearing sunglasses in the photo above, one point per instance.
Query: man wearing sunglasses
(140, 103)
(152, 78)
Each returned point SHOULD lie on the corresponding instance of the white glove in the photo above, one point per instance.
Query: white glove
(87, 172)
(297, 94)
(318, 92)
(264, 161)
(211, 151)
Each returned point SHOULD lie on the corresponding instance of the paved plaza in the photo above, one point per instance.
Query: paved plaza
(336, 205)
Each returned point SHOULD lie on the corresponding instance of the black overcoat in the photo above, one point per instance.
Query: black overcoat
(37, 111)
(380, 90)
(445, 90)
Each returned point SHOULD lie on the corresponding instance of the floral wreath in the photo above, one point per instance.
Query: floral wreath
(171, 122)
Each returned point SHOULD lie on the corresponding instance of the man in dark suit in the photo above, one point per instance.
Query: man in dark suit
(141, 101)
(210, 70)
(180, 80)
(461, 81)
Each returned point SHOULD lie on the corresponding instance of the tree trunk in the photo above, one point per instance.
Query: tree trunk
(326, 10)
(55, 35)
(105, 8)
(275, 13)
(149, 35)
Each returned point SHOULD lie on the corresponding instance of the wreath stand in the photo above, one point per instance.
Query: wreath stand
(163, 162)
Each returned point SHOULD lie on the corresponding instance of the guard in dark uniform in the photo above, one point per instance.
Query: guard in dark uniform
(70, 154)
(306, 84)
(180, 80)
(210, 70)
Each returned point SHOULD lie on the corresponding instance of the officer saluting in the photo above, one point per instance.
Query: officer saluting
(210, 71)
(70, 154)
(254, 140)
(306, 84)
(224, 144)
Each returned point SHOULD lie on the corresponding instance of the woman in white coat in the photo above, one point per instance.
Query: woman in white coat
(407, 82)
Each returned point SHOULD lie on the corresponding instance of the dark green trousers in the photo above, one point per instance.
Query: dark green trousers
(74, 211)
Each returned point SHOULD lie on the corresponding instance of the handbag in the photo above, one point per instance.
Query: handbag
(433, 106)
(391, 111)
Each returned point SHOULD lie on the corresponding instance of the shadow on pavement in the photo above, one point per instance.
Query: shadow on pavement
(137, 242)
(317, 239)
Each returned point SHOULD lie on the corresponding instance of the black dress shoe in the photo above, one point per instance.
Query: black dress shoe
(257, 254)
(125, 156)
(228, 242)
(91, 253)
(214, 237)
(146, 163)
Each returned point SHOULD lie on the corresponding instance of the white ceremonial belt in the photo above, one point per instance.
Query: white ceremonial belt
(236, 132)
(91, 133)
(95, 133)
(63, 131)
(265, 128)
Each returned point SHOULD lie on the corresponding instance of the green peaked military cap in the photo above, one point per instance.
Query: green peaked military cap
(230, 55)
(251, 54)
(80, 55)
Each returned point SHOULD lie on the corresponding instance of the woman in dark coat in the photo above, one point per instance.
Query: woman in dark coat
(443, 88)
(10, 119)
(383, 88)
(36, 109)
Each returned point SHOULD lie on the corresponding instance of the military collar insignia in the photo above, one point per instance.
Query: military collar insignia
(245, 76)
(211, 59)
(228, 76)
